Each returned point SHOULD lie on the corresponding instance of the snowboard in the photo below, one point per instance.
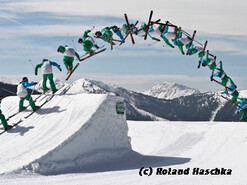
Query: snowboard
(72, 71)
(204, 48)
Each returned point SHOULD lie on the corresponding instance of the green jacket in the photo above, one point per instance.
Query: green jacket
(87, 44)
(211, 62)
(106, 32)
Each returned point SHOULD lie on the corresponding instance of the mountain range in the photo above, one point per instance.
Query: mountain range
(165, 101)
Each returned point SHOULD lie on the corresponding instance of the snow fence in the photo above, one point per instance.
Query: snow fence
(69, 133)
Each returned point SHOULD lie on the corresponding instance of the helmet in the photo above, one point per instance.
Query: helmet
(80, 40)
(204, 63)
(25, 79)
(61, 49)
(98, 33)
(45, 59)
(115, 28)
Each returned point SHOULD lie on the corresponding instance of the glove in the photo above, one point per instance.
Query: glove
(89, 31)
(36, 73)
(60, 69)
(35, 83)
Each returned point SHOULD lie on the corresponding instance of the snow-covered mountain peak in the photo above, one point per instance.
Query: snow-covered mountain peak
(8, 80)
(92, 86)
(167, 90)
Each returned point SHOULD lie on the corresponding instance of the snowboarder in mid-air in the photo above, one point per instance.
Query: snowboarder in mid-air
(183, 41)
(210, 62)
(140, 32)
(3, 120)
(69, 54)
(87, 43)
(119, 32)
(165, 35)
(231, 89)
(222, 75)
(23, 94)
(105, 34)
(196, 49)
(46, 67)
(242, 107)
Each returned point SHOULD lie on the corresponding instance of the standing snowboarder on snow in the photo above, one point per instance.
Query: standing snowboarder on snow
(87, 42)
(23, 94)
(3, 120)
(46, 67)
(69, 54)
(242, 107)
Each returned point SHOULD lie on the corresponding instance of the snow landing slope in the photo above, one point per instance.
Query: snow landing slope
(63, 135)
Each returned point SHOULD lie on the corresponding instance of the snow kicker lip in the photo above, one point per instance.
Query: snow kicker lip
(82, 123)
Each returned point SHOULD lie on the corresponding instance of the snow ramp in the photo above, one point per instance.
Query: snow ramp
(67, 133)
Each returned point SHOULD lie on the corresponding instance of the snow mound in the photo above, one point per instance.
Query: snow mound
(168, 90)
(63, 135)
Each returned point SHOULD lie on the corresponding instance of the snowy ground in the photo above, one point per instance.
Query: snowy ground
(176, 145)
(79, 139)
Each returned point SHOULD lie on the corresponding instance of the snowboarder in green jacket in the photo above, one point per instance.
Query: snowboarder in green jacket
(222, 75)
(183, 41)
(231, 89)
(87, 42)
(3, 120)
(46, 67)
(141, 31)
(69, 54)
(165, 35)
(210, 62)
(196, 49)
(105, 34)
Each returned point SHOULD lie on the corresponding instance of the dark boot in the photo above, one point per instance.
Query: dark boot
(8, 127)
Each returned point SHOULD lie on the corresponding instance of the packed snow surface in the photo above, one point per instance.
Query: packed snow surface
(175, 145)
(59, 137)
(79, 139)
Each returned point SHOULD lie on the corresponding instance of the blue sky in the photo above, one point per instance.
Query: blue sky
(33, 29)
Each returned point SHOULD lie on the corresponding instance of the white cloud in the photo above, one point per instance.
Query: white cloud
(226, 46)
(222, 17)
(130, 79)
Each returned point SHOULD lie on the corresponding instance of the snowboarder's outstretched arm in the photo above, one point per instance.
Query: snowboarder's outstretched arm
(26, 84)
(37, 67)
(85, 34)
(55, 64)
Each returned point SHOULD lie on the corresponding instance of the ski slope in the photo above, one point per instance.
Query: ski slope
(59, 137)
(78, 138)
(176, 145)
